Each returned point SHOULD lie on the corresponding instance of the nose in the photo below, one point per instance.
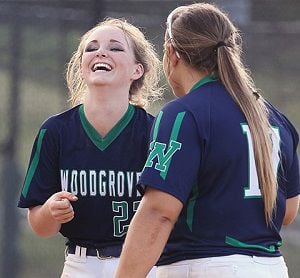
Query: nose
(101, 52)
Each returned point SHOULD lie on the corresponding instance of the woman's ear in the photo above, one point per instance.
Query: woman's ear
(81, 74)
(173, 55)
(138, 72)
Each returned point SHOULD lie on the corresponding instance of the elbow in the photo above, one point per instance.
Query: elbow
(288, 219)
(163, 207)
(39, 227)
(166, 219)
(287, 222)
(292, 207)
(43, 233)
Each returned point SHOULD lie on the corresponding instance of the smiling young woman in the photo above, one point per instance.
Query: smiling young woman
(86, 161)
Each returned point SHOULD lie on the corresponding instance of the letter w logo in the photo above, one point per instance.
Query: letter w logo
(163, 158)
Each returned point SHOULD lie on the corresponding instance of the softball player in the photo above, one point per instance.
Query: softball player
(222, 174)
(86, 162)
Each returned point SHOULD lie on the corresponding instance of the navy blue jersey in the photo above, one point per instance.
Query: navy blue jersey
(68, 154)
(201, 152)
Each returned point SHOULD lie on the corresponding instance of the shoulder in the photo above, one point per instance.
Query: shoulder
(58, 124)
(174, 115)
(201, 99)
(142, 114)
(279, 119)
(61, 119)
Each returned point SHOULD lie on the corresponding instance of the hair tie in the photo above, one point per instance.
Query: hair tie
(256, 94)
(220, 43)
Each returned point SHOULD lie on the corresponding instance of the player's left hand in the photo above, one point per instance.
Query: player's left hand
(60, 207)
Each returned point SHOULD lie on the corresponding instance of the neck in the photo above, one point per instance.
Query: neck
(104, 108)
(189, 77)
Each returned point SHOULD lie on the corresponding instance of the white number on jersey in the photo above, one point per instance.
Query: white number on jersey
(253, 191)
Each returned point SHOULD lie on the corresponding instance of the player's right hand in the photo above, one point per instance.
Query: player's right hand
(60, 207)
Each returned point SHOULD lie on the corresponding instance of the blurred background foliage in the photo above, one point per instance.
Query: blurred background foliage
(37, 38)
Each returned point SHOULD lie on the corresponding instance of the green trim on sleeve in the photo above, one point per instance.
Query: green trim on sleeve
(173, 140)
(156, 125)
(34, 163)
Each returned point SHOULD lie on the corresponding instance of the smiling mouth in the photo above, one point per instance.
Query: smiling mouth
(101, 67)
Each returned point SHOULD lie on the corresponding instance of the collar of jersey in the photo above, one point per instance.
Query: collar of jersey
(103, 142)
(204, 80)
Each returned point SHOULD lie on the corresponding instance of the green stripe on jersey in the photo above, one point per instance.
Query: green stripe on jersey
(103, 142)
(233, 242)
(190, 207)
(34, 163)
(173, 140)
(161, 151)
(156, 125)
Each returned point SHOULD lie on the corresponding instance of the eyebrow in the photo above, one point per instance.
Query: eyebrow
(111, 40)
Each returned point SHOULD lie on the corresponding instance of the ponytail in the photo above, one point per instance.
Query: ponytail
(206, 39)
(239, 84)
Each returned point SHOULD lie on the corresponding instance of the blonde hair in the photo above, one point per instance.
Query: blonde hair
(206, 39)
(142, 91)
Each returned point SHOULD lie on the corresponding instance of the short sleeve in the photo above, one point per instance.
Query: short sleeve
(174, 154)
(292, 175)
(42, 177)
(292, 185)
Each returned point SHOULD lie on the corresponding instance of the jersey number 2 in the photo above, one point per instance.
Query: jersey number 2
(253, 191)
(120, 221)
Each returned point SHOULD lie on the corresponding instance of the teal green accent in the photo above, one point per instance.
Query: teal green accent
(190, 207)
(156, 125)
(279, 243)
(206, 79)
(280, 142)
(34, 163)
(248, 187)
(103, 143)
(233, 242)
(173, 138)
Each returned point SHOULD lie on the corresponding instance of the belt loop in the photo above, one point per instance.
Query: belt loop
(78, 251)
(101, 257)
(83, 252)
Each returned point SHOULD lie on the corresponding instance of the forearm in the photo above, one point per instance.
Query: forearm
(148, 233)
(42, 222)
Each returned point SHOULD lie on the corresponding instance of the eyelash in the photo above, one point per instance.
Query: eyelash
(91, 49)
(116, 49)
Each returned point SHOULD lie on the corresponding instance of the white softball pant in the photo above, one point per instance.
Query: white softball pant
(79, 265)
(234, 266)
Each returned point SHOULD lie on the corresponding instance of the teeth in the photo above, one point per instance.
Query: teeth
(102, 66)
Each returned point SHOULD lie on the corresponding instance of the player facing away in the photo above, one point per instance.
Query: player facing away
(85, 162)
(222, 176)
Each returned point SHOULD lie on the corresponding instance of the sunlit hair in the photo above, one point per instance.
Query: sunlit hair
(205, 38)
(142, 91)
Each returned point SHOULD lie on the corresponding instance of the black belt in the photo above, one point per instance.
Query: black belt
(100, 253)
